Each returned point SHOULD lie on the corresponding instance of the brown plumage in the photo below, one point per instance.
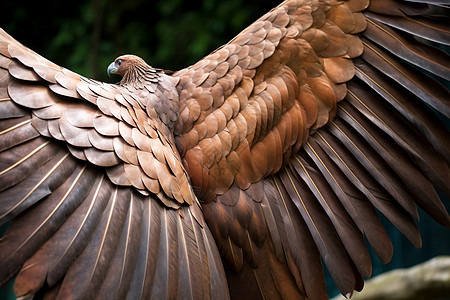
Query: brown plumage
(234, 176)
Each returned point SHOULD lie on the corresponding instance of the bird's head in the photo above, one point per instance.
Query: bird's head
(133, 69)
(126, 63)
(154, 89)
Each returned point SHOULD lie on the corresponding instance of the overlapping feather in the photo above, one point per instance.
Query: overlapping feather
(275, 87)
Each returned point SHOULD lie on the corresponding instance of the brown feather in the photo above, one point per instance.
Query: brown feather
(369, 187)
(417, 113)
(423, 154)
(359, 209)
(431, 91)
(57, 254)
(322, 231)
(351, 238)
(427, 27)
(86, 275)
(278, 100)
(25, 237)
(299, 241)
(422, 55)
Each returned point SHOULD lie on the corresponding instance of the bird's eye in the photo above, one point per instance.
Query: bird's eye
(119, 62)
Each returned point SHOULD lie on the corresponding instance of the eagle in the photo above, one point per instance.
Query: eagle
(236, 177)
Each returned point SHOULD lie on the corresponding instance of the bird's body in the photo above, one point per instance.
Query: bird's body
(235, 176)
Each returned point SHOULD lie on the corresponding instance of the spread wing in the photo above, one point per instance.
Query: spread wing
(99, 201)
(299, 129)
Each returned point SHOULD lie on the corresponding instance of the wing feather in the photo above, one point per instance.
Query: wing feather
(24, 237)
(430, 28)
(294, 233)
(322, 231)
(95, 257)
(373, 191)
(414, 111)
(116, 283)
(50, 91)
(422, 55)
(58, 259)
(337, 79)
(85, 217)
(351, 198)
(431, 91)
(293, 134)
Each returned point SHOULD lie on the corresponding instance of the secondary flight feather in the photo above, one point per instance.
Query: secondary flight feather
(236, 176)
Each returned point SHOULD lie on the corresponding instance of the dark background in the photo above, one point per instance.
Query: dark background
(169, 34)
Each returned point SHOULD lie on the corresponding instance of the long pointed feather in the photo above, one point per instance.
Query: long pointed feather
(431, 163)
(407, 104)
(145, 260)
(8, 109)
(301, 244)
(188, 263)
(21, 161)
(28, 233)
(383, 173)
(76, 232)
(88, 272)
(350, 236)
(37, 186)
(199, 255)
(352, 199)
(284, 231)
(16, 133)
(116, 282)
(54, 258)
(215, 268)
(431, 91)
(164, 273)
(322, 231)
(423, 191)
(425, 27)
(422, 55)
(369, 187)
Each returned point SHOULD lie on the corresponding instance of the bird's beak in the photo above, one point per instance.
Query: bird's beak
(112, 69)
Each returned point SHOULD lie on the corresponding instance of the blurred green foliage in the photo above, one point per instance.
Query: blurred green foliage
(85, 37)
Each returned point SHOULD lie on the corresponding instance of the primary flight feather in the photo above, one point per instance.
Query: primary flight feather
(236, 176)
